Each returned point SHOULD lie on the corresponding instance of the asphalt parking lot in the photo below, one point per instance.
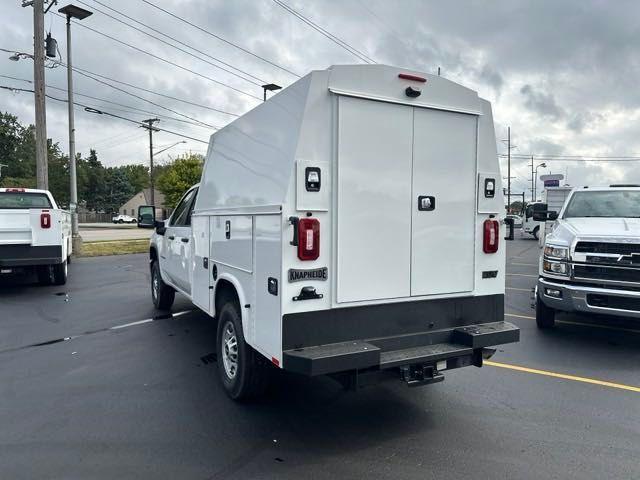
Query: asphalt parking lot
(93, 386)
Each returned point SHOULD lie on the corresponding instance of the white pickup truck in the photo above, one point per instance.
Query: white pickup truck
(34, 235)
(591, 257)
(349, 226)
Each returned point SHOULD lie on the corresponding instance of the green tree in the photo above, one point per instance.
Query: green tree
(138, 176)
(178, 176)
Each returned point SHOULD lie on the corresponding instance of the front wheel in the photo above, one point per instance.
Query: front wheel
(535, 232)
(161, 293)
(545, 316)
(243, 371)
(134, 221)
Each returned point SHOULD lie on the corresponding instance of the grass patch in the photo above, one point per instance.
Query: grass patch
(114, 247)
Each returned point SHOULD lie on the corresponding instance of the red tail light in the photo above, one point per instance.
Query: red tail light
(491, 236)
(308, 239)
(45, 220)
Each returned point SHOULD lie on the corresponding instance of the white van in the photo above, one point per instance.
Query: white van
(351, 225)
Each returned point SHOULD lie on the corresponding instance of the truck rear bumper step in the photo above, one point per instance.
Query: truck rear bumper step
(363, 354)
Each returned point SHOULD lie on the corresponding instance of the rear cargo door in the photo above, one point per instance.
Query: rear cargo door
(15, 227)
(443, 210)
(374, 200)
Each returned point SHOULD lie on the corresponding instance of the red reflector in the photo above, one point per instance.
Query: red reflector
(308, 239)
(275, 361)
(491, 236)
(415, 78)
(14, 190)
(45, 220)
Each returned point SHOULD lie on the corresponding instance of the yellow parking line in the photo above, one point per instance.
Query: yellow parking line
(521, 275)
(519, 316)
(564, 376)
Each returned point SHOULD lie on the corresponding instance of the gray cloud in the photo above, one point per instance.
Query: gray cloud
(563, 86)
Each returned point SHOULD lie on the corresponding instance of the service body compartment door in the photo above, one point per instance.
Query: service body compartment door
(374, 204)
(444, 202)
(201, 277)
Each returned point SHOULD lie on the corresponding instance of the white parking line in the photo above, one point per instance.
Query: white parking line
(525, 264)
(521, 275)
(148, 320)
(518, 289)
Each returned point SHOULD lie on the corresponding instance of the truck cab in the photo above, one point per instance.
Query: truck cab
(35, 235)
(529, 225)
(350, 226)
(590, 262)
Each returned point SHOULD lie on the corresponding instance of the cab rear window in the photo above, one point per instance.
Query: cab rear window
(24, 200)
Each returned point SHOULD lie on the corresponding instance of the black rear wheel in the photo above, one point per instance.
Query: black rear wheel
(244, 373)
(45, 275)
(545, 316)
(60, 273)
(162, 294)
(535, 232)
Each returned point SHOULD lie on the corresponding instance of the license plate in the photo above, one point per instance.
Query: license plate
(298, 275)
(6, 270)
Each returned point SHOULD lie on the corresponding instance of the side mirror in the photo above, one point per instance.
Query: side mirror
(510, 223)
(146, 216)
(540, 211)
(552, 216)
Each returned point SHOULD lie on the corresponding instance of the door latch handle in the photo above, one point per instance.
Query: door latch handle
(184, 239)
(171, 237)
(426, 203)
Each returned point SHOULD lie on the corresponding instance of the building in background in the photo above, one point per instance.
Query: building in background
(144, 198)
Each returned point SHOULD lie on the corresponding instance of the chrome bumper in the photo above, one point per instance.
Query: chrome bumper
(574, 298)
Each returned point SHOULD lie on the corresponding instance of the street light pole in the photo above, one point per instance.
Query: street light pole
(535, 184)
(72, 11)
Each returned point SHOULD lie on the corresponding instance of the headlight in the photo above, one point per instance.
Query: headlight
(556, 252)
(557, 268)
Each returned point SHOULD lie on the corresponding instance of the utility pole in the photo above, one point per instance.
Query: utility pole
(533, 193)
(151, 129)
(508, 168)
(42, 170)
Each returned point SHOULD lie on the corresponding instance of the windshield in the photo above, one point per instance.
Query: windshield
(24, 200)
(618, 203)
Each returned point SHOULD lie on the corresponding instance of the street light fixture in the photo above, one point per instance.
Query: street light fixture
(272, 87)
(167, 148)
(535, 182)
(72, 11)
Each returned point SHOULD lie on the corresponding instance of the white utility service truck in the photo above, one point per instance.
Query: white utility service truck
(34, 235)
(591, 257)
(350, 225)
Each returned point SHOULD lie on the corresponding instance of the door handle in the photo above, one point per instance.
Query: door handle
(184, 239)
(171, 237)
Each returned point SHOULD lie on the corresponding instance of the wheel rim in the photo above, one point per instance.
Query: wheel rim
(230, 350)
(155, 285)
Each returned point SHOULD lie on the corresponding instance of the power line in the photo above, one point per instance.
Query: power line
(338, 41)
(129, 107)
(157, 57)
(258, 83)
(143, 89)
(575, 158)
(228, 42)
(140, 98)
(102, 112)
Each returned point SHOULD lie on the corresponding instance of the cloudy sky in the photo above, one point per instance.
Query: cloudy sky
(563, 74)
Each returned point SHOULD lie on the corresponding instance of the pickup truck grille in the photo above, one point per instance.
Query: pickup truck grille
(610, 248)
(596, 273)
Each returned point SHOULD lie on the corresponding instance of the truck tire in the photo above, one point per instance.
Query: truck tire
(162, 294)
(121, 221)
(545, 316)
(60, 273)
(535, 232)
(244, 373)
(44, 274)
